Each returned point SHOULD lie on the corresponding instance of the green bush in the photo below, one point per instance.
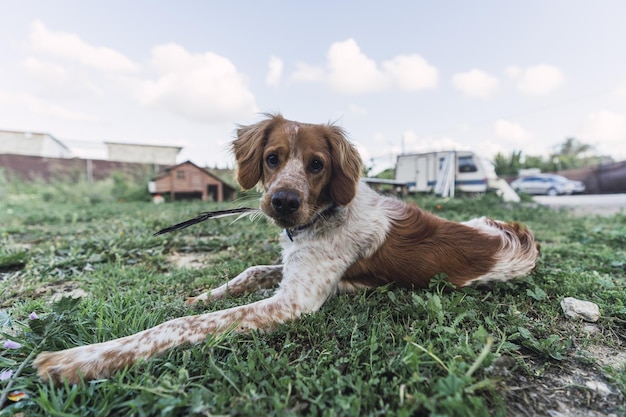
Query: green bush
(119, 187)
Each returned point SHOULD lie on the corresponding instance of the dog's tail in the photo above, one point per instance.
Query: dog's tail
(518, 252)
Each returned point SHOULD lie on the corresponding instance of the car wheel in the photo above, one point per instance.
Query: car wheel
(552, 192)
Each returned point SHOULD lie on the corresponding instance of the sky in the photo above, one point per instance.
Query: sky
(398, 76)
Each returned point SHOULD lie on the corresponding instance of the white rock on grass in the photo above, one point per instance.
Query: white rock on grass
(575, 308)
(599, 387)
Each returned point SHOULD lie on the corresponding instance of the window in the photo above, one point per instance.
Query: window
(467, 164)
(180, 175)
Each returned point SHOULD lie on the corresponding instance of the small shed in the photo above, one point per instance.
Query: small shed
(187, 181)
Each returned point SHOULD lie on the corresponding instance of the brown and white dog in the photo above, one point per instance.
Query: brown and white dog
(341, 236)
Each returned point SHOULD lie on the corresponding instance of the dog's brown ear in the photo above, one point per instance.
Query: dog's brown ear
(346, 167)
(248, 150)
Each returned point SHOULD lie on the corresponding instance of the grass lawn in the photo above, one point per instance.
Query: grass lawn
(506, 350)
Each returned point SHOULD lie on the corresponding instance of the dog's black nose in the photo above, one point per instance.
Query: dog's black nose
(285, 202)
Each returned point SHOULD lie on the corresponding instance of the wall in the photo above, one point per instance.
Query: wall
(608, 178)
(72, 169)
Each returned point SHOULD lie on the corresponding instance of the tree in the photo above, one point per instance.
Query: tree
(508, 165)
(569, 154)
(535, 161)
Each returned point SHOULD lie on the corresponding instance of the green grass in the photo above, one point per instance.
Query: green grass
(382, 352)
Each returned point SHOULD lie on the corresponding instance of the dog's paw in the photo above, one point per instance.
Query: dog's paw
(87, 362)
(65, 365)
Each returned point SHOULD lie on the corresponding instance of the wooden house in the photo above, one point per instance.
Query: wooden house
(187, 180)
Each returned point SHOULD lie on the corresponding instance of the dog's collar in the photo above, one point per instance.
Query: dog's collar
(322, 214)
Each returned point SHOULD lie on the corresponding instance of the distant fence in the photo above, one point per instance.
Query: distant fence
(609, 178)
(600, 179)
(32, 168)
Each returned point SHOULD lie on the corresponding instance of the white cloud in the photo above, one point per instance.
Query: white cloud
(511, 132)
(57, 81)
(514, 72)
(42, 107)
(349, 70)
(275, 71)
(604, 128)
(510, 136)
(416, 143)
(307, 73)
(475, 83)
(620, 91)
(409, 137)
(411, 72)
(65, 113)
(363, 152)
(536, 80)
(40, 69)
(72, 48)
(489, 149)
(201, 87)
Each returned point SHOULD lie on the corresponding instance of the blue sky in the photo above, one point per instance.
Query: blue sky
(415, 76)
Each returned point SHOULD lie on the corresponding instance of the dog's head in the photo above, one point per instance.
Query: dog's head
(303, 168)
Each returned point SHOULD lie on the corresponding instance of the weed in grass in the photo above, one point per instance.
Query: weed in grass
(12, 260)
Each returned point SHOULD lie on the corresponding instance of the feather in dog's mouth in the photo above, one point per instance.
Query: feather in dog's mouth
(242, 211)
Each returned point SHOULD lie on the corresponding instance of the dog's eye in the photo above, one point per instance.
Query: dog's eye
(316, 165)
(272, 160)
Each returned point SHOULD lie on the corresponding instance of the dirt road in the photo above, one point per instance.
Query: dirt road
(601, 204)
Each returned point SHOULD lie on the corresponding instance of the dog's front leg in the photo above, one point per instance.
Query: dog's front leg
(100, 360)
(309, 278)
(254, 278)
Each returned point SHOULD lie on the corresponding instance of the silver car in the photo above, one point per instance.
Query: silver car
(548, 184)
